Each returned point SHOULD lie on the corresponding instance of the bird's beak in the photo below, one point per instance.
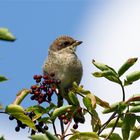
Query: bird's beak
(76, 43)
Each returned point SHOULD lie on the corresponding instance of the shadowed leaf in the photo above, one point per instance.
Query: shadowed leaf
(2, 79)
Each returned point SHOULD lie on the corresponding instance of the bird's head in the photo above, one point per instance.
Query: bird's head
(64, 43)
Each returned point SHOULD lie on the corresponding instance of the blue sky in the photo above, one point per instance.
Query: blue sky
(110, 32)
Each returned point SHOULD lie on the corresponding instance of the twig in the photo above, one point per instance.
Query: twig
(107, 122)
(112, 128)
(54, 128)
(59, 104)
(123, 91)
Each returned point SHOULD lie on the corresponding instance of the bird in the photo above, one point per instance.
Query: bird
(63, 61)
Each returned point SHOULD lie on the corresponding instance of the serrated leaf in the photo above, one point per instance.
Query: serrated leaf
(102, 103)
(132, 77)
(20, 96)
(129, 63)
(59, 111)
(73, 98)
(128, 123)
(84, 136)
(39, 137)
(114, 136)
(2, 78)
(6, 35)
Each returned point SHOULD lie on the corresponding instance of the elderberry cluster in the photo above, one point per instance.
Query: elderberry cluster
(40, 125)
(69, 115)
(44, 88)
(19, 124)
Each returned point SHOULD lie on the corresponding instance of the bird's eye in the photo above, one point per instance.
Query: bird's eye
(66, 43)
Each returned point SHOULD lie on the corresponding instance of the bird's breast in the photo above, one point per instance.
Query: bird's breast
(67, 68)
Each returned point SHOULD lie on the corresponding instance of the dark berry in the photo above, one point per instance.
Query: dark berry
(41, 95)
(39, 76)
(63, 117)
(35, 77)
(36, 93)
(17, 129)
(38, 128)
(38, 80)
(11, 117)
(32, 132)
(32, 97)
(23, 126)
(45, 77)
(34, 87)
(40, 100)
(41, 124)
(75, 126)
(19, 123)
(46, 127)
(65, 121)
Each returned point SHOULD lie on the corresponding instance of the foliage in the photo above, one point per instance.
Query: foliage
(51, 108)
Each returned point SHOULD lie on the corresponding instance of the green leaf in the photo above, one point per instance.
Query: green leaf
(87, 103)
(59, 111)
(114, 136)
(120, 106)
(13, 108)
(128, 124)
(84, 136)
(100, 66)
(50, 136)
(129, 63)
(6, 35)
(39, 137)
(104, 73)
(135, 109)
(2, 138)
(20, 96)
(2, 79)
(38, 110)
(18, 112)
(112, 123)
(135, 135)
(95, 121)
(73, 98)
(102, 103)
(132, 77)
